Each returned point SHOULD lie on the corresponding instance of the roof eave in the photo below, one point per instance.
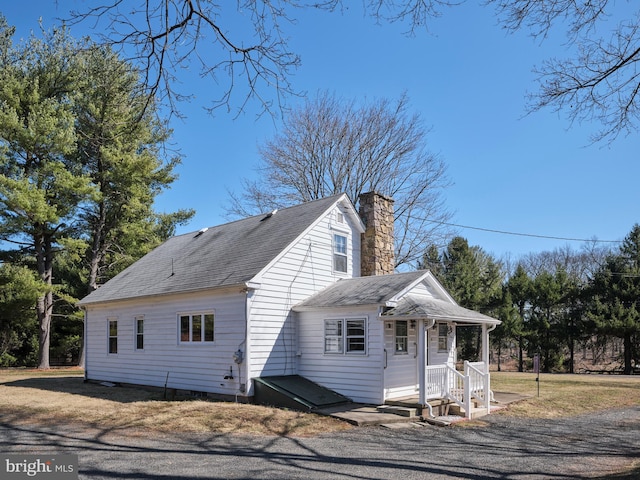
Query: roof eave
(315, 308)
(442, 318)
(240, 286)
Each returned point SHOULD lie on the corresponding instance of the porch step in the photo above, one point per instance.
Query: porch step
(397, 410)
(476, 412)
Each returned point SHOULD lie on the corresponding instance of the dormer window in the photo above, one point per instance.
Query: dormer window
(339, 253)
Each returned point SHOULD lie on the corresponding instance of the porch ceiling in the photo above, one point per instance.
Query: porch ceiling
(419, 306)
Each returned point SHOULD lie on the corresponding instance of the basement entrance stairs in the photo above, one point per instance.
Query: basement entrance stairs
(299, 393)
(296, 392)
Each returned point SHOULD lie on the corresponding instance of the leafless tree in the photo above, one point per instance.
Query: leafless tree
(601, 81)
(331, 145)
(579, 264)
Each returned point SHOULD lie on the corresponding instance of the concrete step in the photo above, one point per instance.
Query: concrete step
(476, 412)
(396, 410)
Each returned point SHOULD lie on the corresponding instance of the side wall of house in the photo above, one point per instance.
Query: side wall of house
(163, 358)
(358, 376)
(438, 356)
(304, 269)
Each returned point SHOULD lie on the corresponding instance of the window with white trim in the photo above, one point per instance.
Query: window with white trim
(443, 337)
(113, 336)
(196, 328)
(333, 341)
(139, 331)
(402, 337)
(345, 335)
(339, 253)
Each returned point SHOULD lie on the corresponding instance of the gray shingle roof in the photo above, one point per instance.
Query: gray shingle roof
(435, 309)
(375, 290)
(229, 254)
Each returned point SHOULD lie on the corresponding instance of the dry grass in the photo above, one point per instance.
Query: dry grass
(564, 395)
(60, 396)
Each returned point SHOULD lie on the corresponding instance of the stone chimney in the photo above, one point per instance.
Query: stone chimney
(377, 255)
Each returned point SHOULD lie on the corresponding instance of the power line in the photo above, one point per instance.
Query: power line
(533, 235)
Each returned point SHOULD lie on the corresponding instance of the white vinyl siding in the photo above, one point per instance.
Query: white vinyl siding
(437, 356)
(360, 376)
(401, 372)
(302, 270)
(165, 359)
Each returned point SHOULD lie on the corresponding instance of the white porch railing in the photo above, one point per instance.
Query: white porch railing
(443, 381)
(479, 383)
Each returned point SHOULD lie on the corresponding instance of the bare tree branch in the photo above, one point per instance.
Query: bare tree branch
(600, 82)
(165, 36)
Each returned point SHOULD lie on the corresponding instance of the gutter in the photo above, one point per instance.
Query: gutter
(251, 285)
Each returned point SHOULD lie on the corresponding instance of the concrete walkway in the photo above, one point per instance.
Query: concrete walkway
(367, 415)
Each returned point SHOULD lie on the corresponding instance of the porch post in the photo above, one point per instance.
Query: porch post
(485, 347)
(422, 396)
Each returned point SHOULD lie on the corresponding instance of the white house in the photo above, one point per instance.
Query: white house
(281, 294)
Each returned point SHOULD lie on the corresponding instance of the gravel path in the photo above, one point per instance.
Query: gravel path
(506, 448)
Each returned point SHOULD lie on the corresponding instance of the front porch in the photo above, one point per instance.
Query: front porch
(437, 384)
(448, 391)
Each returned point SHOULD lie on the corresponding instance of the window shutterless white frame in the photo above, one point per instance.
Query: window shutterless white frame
(112, 335)
(333, 340)
(356, 335)
(340, 253)
(345, 336)
(401, 337)
(443, 337)
(196, 328)
(138, 325)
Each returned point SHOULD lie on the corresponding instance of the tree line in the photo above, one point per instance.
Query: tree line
(552, 304)
(82, 158)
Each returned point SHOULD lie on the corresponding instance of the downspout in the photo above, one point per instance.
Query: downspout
(485, 358)
(246, 387)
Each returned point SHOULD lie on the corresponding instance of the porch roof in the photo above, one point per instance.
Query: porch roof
(419, 306)
(398, 297)
(373, 290)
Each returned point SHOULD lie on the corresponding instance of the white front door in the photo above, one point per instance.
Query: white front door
(401, 358)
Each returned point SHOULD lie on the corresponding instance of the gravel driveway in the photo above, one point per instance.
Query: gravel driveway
(591, 446)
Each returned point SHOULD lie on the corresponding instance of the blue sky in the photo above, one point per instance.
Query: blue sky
(467, 78)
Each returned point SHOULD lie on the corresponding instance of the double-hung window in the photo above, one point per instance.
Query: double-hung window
(402, 337)
(339, 253)
(139, 326)
(196, 327)
(345, 335)
(443, 337)
(113, 336)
